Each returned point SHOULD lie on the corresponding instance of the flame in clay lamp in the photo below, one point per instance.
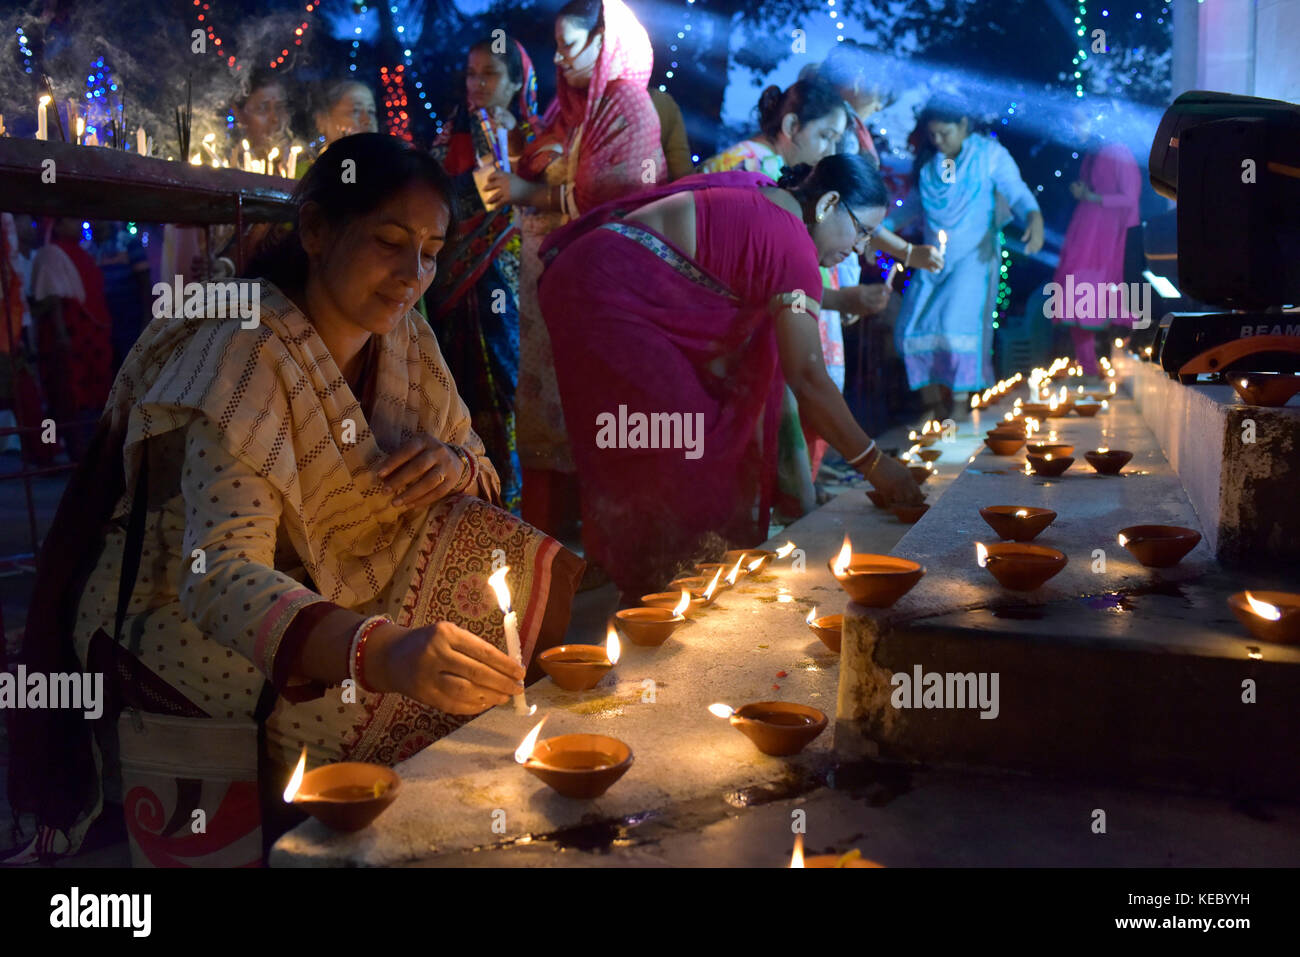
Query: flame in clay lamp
(988, 394)
(735, 571)
(1262, 608)
(812, 615)
(981, 554)
(1119, 343)
(796, 859)
(925, 429)
(295, 780)
(1123, 540)
(1018, 403)
(1029, 469)
(914, 450)
(845, 556)
(713, 585)
(680, 607)
(271, 156)
(974, 401)
(525, 749)
(721, 710)
(911, 436)
(1103, 450)
(1104, 405)
(1079, 390)
(613, 647)
(1017, 412)
(1007, 416)
(754, 565)
(498, 582)
(1052, 403)
(1022, 513)
(788, 547)
(1112, 386)
(1047, 457)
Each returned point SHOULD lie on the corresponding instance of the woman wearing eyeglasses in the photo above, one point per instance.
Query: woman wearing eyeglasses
(599, 141)
(700, 299)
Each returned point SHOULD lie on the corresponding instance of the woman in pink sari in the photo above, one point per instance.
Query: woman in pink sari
(600, 140)
(691, 307)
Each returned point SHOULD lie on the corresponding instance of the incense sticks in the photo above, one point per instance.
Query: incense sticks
(49, 91)
(183, 119)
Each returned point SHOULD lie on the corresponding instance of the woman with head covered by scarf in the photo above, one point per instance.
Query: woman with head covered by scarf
(599, 141)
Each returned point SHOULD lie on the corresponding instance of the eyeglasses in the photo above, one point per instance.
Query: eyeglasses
(862, 233)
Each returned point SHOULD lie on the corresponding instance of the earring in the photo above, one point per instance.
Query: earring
(821, 215)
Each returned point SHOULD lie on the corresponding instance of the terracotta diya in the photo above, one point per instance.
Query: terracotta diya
(839, 860)
(1265, 388)
(920, 473)
(1087, 409)
(1006, 444)
(876, 581)
(910, 514)
(877, 498)
(345, 796)
(1268, 615)
(1036, 410)
(1158, 546)
(697, 585)
(648, 627)
(749, 555)
(1108, 461)
(1049, 466)
(1019, 523)
(581, 766)
(778, 728)
(1018, 566)
(671, 599)
(828, 628)
(580, 667)
(929, 455)
(1056, 450)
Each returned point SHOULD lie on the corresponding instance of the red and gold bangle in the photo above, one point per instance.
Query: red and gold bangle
(356, 653)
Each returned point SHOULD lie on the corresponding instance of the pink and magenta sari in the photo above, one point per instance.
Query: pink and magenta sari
(636, 323)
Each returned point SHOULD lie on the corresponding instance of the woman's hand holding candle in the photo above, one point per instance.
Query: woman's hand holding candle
(441, 665)
(422, 471)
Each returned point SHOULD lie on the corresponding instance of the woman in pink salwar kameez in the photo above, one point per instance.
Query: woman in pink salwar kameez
(694, 304)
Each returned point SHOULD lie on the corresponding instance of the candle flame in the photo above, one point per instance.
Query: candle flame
(943, 237)
(755, 564)
(1052, 403)
(1112, 387)
(988, 394)
(1123, 540)
(295, 780)
(785, 549)
(196, 160)
(713, 585)
(498, 583)
(925, 429)
(81, 125)
(974, 401)
(1018, 402)
(682, 605)
(721, 710)
(1104, 405)
(1119, 343)
(44, 100)
(245, 142)
(210, 138)
(812, 615)
(613, 647)
(1103, 450)
(1022, 513)
(796, 859)
(981, 554)
(911, 436)
(1007, 417)
(735, 571)
(1262, 608)
(845, 556)
(525, 749)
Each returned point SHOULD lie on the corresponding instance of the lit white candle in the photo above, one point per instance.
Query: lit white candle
(42, 121)
(247, 164)
(943, 242)
(270, 160)
(81, 130)
(141, 141)
(293, 161)
(511, 623)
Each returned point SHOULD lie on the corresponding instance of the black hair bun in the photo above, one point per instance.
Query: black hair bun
(791, 178)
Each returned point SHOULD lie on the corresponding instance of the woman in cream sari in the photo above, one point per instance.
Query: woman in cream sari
(316, 509)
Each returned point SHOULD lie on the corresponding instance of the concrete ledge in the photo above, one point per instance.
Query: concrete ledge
(1245, 493)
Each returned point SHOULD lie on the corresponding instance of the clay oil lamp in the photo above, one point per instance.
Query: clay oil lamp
(929, 455)
(853, 858)
(580, 667)
(1106, 461)
(1272, 389)
(910, 514)
(877, 498)
(1054, 449)
(1049, 465)
(650, 627)
(1017, 522)
(1036, 409)
(1269, 615)
(699, 586)
(706, 569)
(1158, 546)
(345, 796)
(1005, 443)
(828, 628)
(876, 581)
(778, 728)
(671, 599)
(1020, 567)
(581, 766)
(1087, 409)
(921, 473)
(749, 555)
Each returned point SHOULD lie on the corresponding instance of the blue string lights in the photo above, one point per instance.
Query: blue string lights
(25, 50)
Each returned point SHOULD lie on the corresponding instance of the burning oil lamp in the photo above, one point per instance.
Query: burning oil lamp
(1268, 615)
(1004, 443)
(1036, 409)
(672, 599)
(1087, 409)
(910, 514)
(929, 455)
(650, 627)
(876, 581)
(1049, 465)
(1054, 449)
(581, 667)
(699, 586)
(1020, 567)
(778, 728)
(828, 628)
(1270, 389)
(1108, 461)
(581, 766)
(1158, 546)
(1016, 522)
(920, 473)
(785, 549)
(853, 858)
(345, 796)
(750, 555)
(734, 573)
